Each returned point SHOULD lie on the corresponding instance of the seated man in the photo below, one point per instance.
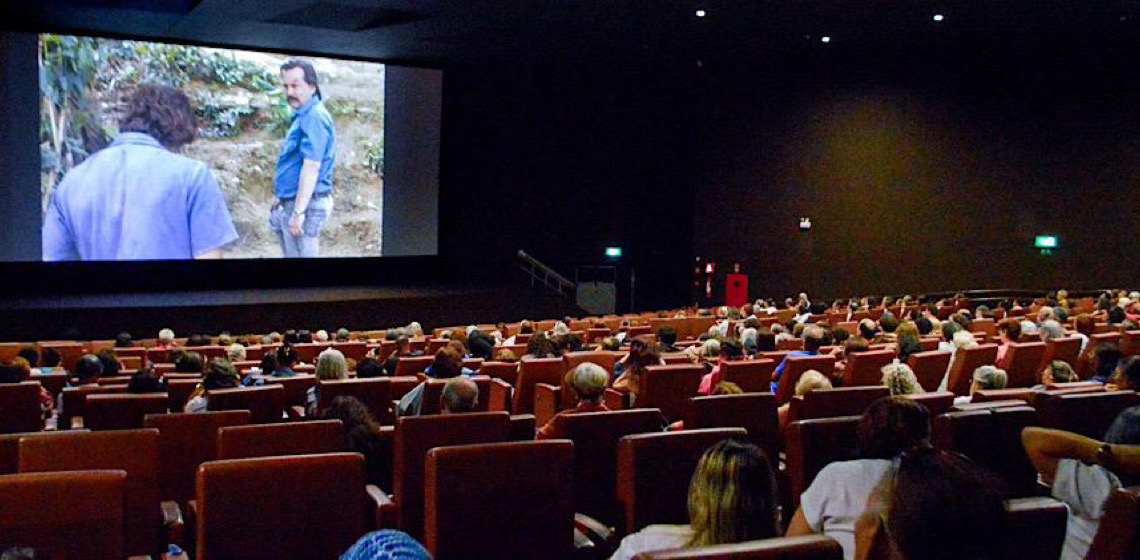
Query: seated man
(447, 365)
(813, 341)
(460, 394)
(589, 382)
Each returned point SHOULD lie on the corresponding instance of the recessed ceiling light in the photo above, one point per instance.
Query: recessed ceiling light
(825, 39)
(702, 13)
(939, 17)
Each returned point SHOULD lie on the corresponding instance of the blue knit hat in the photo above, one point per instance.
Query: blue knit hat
(386, 545)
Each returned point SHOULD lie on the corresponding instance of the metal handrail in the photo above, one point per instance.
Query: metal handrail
(539, 272)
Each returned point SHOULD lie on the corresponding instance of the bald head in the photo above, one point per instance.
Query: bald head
(459, 395)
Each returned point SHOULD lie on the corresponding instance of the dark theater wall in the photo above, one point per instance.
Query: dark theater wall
(563, 159)
(922, 172)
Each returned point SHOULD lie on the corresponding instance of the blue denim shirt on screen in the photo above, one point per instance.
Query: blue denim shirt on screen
(312, 137)
(136, 200)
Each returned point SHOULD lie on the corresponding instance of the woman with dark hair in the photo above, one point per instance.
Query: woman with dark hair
(1083, 472)
(732, 498)
(219, 374)
(642, 354)
(539, 346)
(137, 199)
(361, 433)
(840, 492)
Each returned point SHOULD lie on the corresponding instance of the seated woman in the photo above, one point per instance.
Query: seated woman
(732, 498)
(642, 354)
(850, 346)
(1127, 377)
(1083, 472)
(840, 492)
(1056, 372)
(589, 382)
(219, 374)
(361, 433)
(809, 381)
(900, 379)
(730, 351)
(331, 366)
(1009, 331)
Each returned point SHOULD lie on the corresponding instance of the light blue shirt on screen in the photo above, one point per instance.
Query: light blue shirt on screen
(136, 200)
(311, 137)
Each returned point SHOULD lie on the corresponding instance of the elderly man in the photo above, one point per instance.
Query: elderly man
(303, 183)
(813, 340)
(460, 394)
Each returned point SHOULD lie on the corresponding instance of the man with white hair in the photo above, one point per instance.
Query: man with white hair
(236, 353)
(321, 336)
(986, 378)
(165, 339)
(1051, 330)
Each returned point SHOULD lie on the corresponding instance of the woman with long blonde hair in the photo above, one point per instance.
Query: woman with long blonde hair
(732, 498)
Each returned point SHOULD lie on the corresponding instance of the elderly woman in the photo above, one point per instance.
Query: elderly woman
(1056, 372)
(901, 380)
(985, 378)
(331, 366)
(589, 382)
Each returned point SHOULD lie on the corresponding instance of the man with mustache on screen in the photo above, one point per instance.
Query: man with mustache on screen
(137, 199)
(303, 182)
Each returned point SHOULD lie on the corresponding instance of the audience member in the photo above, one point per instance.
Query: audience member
(1127, 377)
(900, 379)
(811, 380)
(124, 340)
(629, 369)
(840, 492)
(146, 380)
(732, 498)
(667, 340)
(111, 364)
(460, 394)
(446, 365)
(369, 368)
(219, 374)
(1055, 372)
(1106, 356)
(1050, 329)
(236, 353)
(730, 351)
(50, 360)
(1009, 331)
(343, 335)
(189, 362)
(1082, 472)
(813, 341)
(361, 433)
(1085, 326)
(589, 382)
(539, 346)
(331, 366)
(403, 349)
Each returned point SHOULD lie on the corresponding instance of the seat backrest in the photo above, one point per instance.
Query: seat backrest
(307, 351)
(416, 435)
(265, 404)
(411, 365)
(930, 367)
(287, 438)
(794, 368)
(185, 441)
(374, 393)
(984, 325)
(813, 547)
(122, 411)
(53, 382)
(133, 451)
(516, 502)
(966, 360)
(842, 401)
(296, 387)
(606, 360)
(179, 391)
(755, 412)
(317, 506)
(1088, 414)
(1035, 528)
(1118, 536)
(1066, 349)
(1021, 361)
(754, 376)
(596, 436)
(654, 471)
(992, 438)
(669, 388)
(76, 515)
(531, 372)
(20, 403)
(849, 326)
(812, 444)
(937, 402)
(865, 368)
(433, 390)
(10, 448)
(990, 395)
(507, 371)
(1130, 342)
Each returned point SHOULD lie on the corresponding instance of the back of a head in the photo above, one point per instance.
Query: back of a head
(1062, 372)
(813, 338)
(166, 336)
(868, 329)
(964, 339)
(732, 496)
(331, 365)
(189, 362)
(907, 346)
(353, 414)
(386, 544)
(900, 379)
(220, 374)
(145, 381)
(124, 340)
(343, 335)
(589, 381)
(111, 365)
(924, 325)
(30, 355)
(481, 345)
(731, 349)
(889, 322)
(892, 425)
(1051, 330)
(810, 381)
(89, 368)
(667, 335)
(236, 353)
(1125, 429)
(460, 394)
(944, 507)
(1107, 358)
(50, 357)
(855, 344)
(727, 388)
(447, 364)
(990, 377)
(368, 368)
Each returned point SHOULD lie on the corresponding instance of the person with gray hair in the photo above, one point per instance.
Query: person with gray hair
(986, 378)
(460, 394)
(331, 365)
(236, 353)
(165, 339)
(589, 382)
(900, 379)
(1050, 329)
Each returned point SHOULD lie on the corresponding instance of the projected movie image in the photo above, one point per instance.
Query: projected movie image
(155, 151)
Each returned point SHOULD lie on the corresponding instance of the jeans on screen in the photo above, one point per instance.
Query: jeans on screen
(309, 243)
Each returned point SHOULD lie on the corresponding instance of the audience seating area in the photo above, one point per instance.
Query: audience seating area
(116, 474)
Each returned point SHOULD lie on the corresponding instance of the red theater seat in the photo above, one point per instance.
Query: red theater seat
(185, 441)
(122, 411)
(753, 376)
(375, 393)
(1088, 414)
(411, 365)
(669, 388)
(1118, 537)
(965, 362)
(812, 444)
(930, 367)
(20, 408)
(755, 412)
(1021, 363)
(832, 403)
(991, 438)
(288, 438)
(865, 368)
(77, 515)
(795, 367)
(266, 404)
(10, 448)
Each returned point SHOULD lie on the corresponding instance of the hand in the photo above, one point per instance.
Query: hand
(295, 223)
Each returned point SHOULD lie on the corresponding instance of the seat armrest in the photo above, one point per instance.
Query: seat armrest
(174, 523)
(591, 533)
(616, 400)
(385, 507)
(500, 396)
(547, 402)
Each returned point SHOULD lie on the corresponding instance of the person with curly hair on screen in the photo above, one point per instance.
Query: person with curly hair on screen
(138, 199)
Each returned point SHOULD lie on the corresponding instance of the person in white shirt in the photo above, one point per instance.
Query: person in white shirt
(729, 469)
(840, 492)
(1083, 472)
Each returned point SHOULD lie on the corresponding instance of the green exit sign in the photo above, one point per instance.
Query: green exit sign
(1045, 242)
(613, 252)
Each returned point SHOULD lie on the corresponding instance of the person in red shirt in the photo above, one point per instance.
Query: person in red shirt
(589, 382)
